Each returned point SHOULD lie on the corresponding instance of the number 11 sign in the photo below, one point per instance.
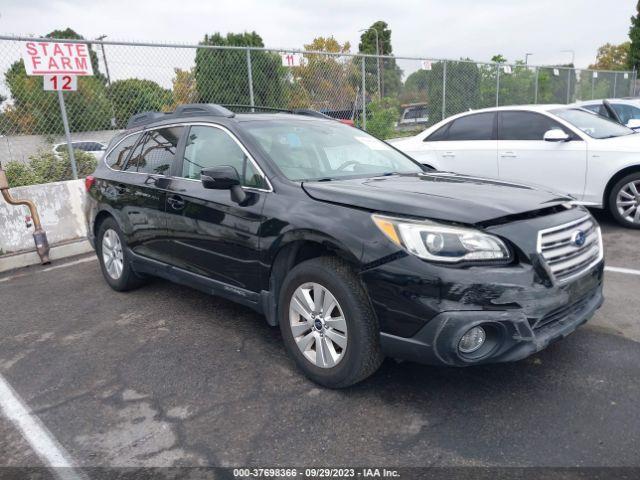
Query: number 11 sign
(63, 83)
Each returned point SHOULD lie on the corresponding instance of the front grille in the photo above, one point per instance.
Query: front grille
(565, 257)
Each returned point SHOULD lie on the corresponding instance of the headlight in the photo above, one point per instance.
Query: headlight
(442, 243)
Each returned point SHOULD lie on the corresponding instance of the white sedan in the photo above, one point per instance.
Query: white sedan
(564, 148)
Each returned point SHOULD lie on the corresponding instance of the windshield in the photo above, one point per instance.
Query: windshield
(305, 150)
(593, 125)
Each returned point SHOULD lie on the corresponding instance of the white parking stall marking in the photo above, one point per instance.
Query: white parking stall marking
(628, 271)
(42, 442)
(54, 267)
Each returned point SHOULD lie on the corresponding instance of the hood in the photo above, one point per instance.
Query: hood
(626, 143)
(438, 196)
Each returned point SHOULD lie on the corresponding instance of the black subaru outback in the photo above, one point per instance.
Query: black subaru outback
(351, 247)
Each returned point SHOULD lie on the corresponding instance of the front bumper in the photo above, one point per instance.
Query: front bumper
(424, 308)
(511, 335)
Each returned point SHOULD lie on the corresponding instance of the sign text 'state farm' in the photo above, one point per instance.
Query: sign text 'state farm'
(54, 58)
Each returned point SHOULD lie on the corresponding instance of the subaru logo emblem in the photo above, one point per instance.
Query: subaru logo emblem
(578, 238)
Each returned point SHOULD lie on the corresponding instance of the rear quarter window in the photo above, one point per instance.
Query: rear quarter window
(117, 158)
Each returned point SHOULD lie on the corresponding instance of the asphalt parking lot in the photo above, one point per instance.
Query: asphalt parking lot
(166, 376)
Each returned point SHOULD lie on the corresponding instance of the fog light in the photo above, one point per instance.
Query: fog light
(472, 340)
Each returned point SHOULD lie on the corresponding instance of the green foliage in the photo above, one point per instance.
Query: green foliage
(390, 73)
(382, 116)
(133, 96)
(221, 75)
(415, 87)
(45, 167)
(612, 57)
(462, 89)
(634, 35)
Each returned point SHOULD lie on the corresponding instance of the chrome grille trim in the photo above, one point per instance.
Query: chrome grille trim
(563, 258)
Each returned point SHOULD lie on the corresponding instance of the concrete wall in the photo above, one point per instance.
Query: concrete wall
(61, 206)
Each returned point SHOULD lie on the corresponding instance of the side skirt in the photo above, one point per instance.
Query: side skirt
(145, 265)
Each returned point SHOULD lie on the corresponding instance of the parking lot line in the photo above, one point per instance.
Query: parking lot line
(41, 440)
(54, 267)
(628, 271)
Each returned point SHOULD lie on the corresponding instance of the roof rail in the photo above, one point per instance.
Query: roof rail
(203, 109)
(143, 118)
(187, 110)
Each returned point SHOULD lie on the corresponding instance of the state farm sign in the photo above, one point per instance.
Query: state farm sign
(56, 58)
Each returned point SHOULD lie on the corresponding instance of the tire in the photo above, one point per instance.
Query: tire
(123, 278)
(623, 191)
(337, 366)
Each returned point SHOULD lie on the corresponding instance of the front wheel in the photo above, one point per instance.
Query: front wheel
(327, 323)
(624, 201)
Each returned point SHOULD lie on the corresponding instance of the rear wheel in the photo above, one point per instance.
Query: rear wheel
(624, 201)
(327, 324)
(114, 262)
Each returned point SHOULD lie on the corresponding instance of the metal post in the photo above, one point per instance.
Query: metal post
(250, 76)
(378, 63)
(497, 84)
(65, 122)
(444, 88)
(535, 94)
(569, 85)
(364, 96)
(615, 81)
(635, 79)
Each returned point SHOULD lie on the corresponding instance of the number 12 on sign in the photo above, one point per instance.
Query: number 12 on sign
(65, 83)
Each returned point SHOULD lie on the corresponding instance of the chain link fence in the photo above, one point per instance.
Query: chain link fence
(130, 78)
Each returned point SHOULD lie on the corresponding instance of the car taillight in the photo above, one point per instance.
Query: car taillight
(88, 182)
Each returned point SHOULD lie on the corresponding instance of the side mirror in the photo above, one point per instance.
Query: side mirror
(634, 123)
(224, 177)
(555, 135)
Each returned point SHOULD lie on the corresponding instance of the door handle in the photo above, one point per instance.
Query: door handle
(449, 154)
(176, 202)
(508, 155)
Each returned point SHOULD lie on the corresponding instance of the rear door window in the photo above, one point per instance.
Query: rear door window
(479, 126)
(118, 156)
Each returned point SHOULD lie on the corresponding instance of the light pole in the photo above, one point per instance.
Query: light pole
(569, 70)
(377, 56)
(106, 68)
(104, 57)
(526, 58)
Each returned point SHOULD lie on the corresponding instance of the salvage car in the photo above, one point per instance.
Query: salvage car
(355, 250)
(565, 148)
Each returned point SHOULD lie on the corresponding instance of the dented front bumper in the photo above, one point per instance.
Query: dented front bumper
(424, 309)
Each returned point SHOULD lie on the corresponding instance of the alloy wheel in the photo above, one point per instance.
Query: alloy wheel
(628, 202)
(112, 255)
(318, 325)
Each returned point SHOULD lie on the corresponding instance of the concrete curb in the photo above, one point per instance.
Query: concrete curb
(59, 251)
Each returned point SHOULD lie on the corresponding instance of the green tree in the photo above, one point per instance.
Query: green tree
(462, 88)
(612, 57)
(390, 73)
(634, 35)
(134, 95)
(324, 82)
(416, 87)
(221, 75)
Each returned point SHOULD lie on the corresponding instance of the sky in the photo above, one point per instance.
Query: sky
(432, 28)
